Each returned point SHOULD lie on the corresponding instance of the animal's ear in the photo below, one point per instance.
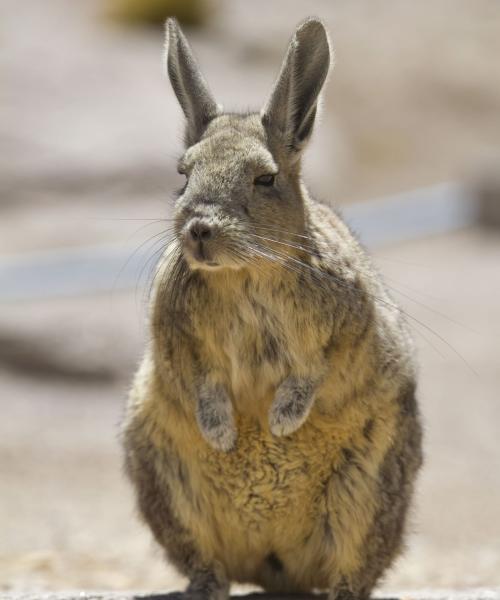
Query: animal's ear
(188, 83)
(291, 108)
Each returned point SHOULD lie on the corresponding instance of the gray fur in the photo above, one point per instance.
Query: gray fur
(215, 417)
(188, 83)
(292, 403)
(291, 108)
(272, 433)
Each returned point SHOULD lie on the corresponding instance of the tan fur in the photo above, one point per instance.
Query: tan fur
(325, 506)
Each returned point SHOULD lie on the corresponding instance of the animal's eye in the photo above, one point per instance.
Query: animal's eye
(267, 180)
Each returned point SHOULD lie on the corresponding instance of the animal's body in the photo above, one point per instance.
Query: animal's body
(272, 433)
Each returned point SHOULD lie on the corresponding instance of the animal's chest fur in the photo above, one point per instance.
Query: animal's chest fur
(252, 342)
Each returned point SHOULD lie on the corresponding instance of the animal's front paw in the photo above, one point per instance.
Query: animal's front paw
(291, 406)
(219, 433)
(285, 417)
(215, 418)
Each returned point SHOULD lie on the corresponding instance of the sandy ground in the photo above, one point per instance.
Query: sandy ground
(89, 133)
(67, 515)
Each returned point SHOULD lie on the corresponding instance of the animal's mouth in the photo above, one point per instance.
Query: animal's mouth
(200, 257)
(204, 265)
(198, 254)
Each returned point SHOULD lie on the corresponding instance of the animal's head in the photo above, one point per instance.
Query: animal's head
(242, 200)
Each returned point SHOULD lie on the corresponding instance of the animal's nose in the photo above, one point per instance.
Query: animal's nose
(200, 231)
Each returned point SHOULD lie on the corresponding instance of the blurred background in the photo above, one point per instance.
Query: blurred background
(408, 147)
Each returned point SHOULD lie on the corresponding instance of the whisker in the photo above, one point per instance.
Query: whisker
(158, 220)
(322, 280)
(284, 231)
(150, 264)
(132, 255)
(392, 288)
(375, 298)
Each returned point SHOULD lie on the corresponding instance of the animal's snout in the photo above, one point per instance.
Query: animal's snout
(200, 231)
(200, 240)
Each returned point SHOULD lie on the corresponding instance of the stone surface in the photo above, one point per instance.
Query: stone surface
(475, 594)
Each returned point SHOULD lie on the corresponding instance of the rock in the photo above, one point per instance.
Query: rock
(481, 594)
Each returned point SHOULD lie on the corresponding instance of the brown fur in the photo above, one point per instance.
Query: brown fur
(322, 505)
